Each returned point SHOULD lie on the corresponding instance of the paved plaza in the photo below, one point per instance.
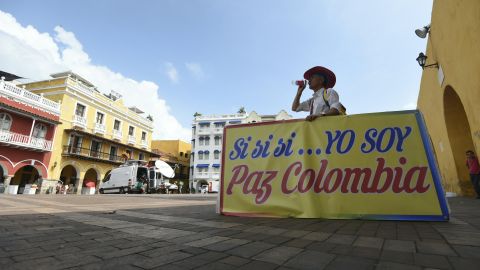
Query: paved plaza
(184, 232)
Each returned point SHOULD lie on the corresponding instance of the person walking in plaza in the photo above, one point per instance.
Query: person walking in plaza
(325, 100)
(474, 169)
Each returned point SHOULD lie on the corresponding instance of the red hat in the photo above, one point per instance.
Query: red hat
(329, 75)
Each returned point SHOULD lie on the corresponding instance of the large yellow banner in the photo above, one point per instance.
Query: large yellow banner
(370, 166)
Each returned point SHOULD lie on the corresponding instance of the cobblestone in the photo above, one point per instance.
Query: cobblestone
(183, 232)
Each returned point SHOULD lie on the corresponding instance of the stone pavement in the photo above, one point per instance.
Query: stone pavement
(183, 232)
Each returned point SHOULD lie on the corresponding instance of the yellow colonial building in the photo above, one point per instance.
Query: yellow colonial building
(450, 90)
(177, 154)
(97, 132)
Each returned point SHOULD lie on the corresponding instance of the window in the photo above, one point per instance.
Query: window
(216, 169)
(80, 110)
(95, 148)
(113, 153)
(107, 178)
(144, 136)
(206, 155)
(186, 155)
(207, 140)
(116, 125)
(131, 130)
(219, 125)
(75, 144)
(202, 170)
(100, 117)
(216, 154)
(39, 131)
(181, 154)
(202, 140)
(5, 121)
(141, 156)
(217, 140)
(129, 153)
(200, 155)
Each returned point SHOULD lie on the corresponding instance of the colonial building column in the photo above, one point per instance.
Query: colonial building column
(6, 182)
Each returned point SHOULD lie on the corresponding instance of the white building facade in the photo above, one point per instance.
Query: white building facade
(207, 142)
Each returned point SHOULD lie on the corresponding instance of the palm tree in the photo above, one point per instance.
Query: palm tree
(241, 110)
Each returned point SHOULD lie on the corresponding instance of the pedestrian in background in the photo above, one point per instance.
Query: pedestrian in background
(474, 169)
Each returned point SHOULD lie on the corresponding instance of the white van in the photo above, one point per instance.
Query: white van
(130, 177)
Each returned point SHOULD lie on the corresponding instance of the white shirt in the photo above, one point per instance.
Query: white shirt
(318, 103)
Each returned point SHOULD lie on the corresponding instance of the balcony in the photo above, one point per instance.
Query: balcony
(218, 130)
(99, 128)
(20, 94)
(144, 144)
(24, 141)
(201, 175)
(117, 134)
(89, 154)
(131, 139)
(204, 131)
(79, 121)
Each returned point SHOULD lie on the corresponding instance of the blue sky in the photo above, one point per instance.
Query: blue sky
(228, 54)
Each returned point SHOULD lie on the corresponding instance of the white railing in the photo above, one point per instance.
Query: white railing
(218, 130)
(143, 144)
(204, 131)
(117, 134)
(99, 128)
(221, 116)
(79, 121)
(131, 139)
(20, 94)
(25, 141)
(201, 175)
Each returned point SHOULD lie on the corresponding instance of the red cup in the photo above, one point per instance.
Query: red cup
(299, 83)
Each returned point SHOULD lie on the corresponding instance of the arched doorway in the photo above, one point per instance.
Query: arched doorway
(69, 178)
(2, 179)
(459, 135)
(26, 176)
(200, 184)
(90, 181)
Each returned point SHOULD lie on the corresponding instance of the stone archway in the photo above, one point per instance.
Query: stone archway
(69, 177)
(90, 181)
(201, 183)
(3, 175)
(25, 177)
(459, 135)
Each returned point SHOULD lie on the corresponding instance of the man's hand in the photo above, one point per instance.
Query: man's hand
(302, 87)
(296, 100)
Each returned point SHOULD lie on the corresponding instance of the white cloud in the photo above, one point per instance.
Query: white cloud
(27, 52)
(410, 106)
(195, 69)
(171, 72)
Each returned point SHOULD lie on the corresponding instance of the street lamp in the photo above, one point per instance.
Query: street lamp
(422, 59)
(422, 32)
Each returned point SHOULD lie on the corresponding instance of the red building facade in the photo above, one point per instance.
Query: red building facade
(27, 129)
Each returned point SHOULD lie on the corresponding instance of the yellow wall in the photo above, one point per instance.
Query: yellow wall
(453, 122)
(55, 90)
(173, 149)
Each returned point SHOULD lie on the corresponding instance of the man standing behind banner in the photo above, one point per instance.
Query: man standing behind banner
(325, 101)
